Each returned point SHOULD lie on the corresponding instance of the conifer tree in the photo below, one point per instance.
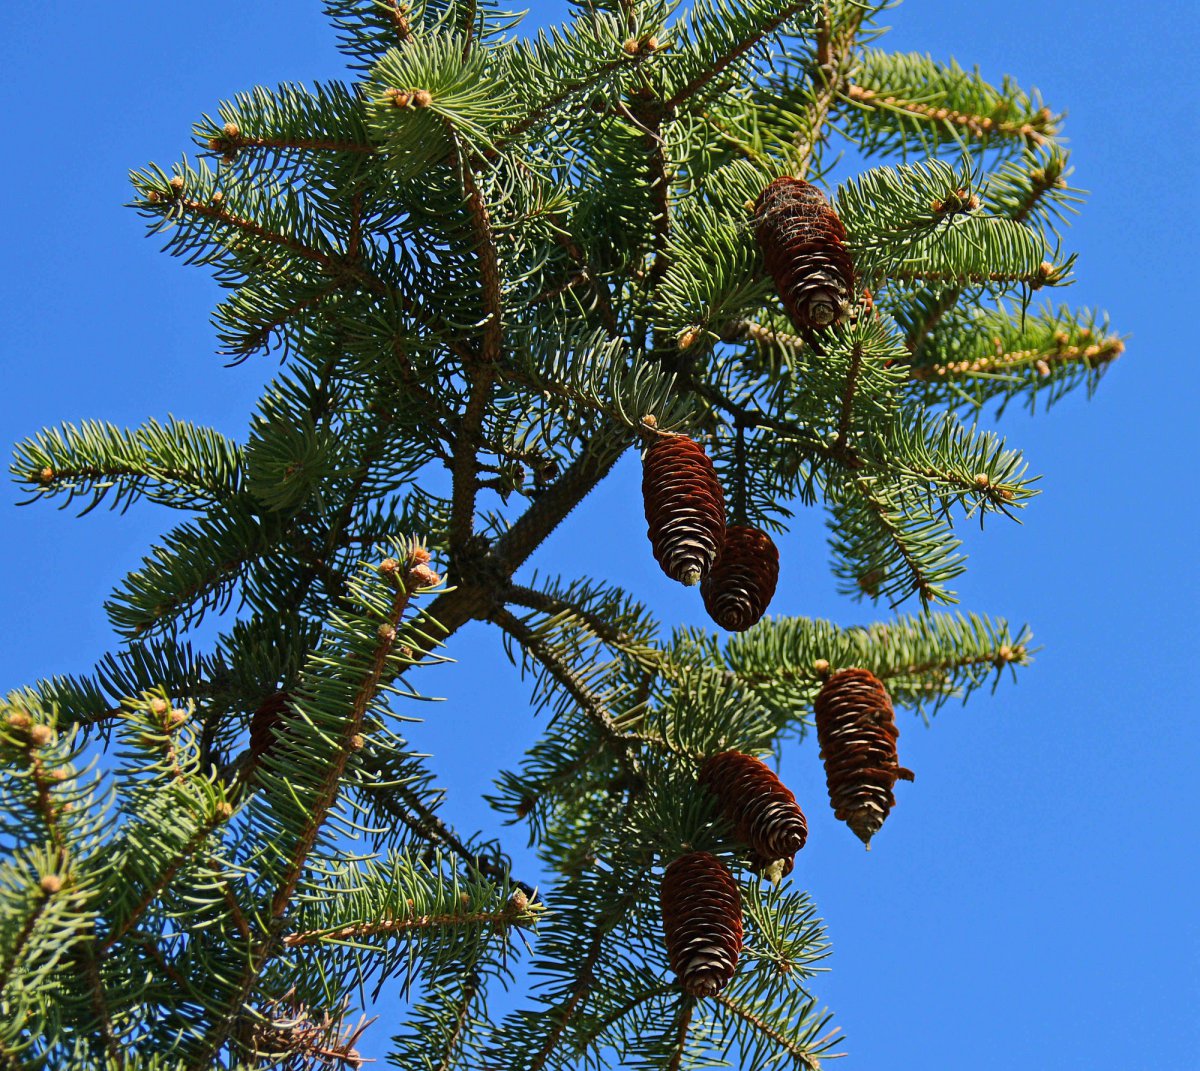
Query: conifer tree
(491, 265)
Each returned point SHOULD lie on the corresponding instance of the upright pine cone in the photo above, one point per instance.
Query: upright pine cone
(761, 808)
(856, 728)
(803, 244)
(739, 589)
(265, 724)
(702, 921)
(685, 507)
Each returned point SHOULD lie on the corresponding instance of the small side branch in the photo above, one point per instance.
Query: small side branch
(737, 52)
(587, 700)
(978, 126)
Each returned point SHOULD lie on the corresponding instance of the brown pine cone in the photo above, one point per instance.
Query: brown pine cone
(803, 244)
(739, 589)
(265, 725)
(856, 728)
(702, 921)
(685, 507)
(760, 807)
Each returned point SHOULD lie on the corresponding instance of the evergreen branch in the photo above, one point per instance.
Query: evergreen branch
(804, 1056)
(404, 585)
(481, 373)
(1095, 355)
(978, 126)
(585, 977)
(22, 939)
(683, 1022)
(835, 48)
(587, 701)
(405, 578)
(220, 815)
(223, 217)
(175, 464)
(470, 990)
(847, 413)
(739, 48)
(484, 919)
(426, 824)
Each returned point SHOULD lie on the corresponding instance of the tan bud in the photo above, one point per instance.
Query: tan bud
(50, 884)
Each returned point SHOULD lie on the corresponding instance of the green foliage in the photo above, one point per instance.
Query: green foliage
(490, 266)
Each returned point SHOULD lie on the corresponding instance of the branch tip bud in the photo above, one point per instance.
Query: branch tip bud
(50, 884)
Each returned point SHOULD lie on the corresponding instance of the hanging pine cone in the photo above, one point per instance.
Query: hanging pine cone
(856, 728)
(803, 244)
(265, 725)
(702, 921)
(685, 507)
(760, 807)
(739, 589)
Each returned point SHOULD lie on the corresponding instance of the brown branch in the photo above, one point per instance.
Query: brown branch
(587, 700)
(377, 927)
(164, 879)
(683, 1022)
(977, 125)
(248, 226)
(736, 53)
(227, 143)
(882, 513)
(23, 935)
(398, 12)
(798, 1052)
(832, 61)
(843, 431)
(480, 370)
(1095, 355)
(326, 796)
(584, 977)
(470, 989)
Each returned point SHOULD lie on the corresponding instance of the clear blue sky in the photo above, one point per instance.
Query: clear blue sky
(1031, 902)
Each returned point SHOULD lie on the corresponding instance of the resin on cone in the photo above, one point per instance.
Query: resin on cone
(702, 922)
(685, 508)
(762, 809)
(804, 250)
(739, 589)
(856, 728)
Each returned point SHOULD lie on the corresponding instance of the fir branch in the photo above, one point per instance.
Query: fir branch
(587, 701)
(404, 585)
(835, 50)
(1095, 355)
(481, 373)
(683, 1022)
(220, 815)
(470, 990)
(585, 977)
(490, 920)
(804, 1056)
(721, 62)
(978, 126)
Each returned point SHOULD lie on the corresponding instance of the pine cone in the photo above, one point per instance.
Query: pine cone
(803, 244)
(265, 725)
(856, 728)
(685, 508)
(761, 808)
(739, 589)
(702, 920)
